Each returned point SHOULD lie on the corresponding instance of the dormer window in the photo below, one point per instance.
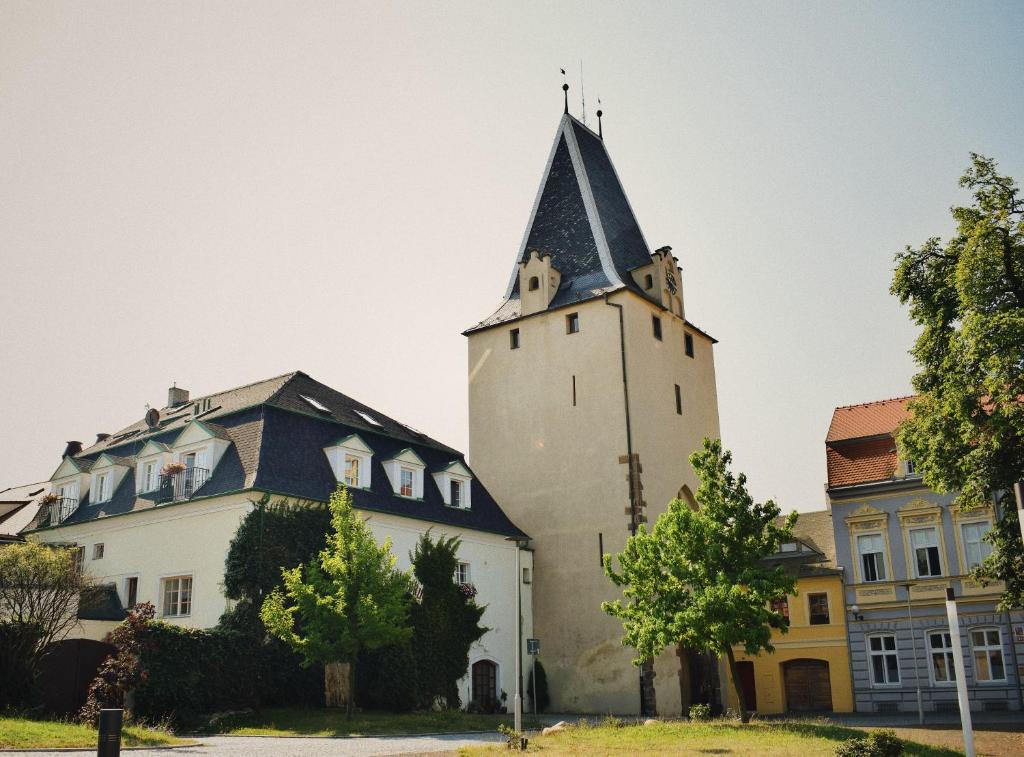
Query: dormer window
(352, 470)
(534, 283)
(150, 470)
(100, 488)
(350, 460)
(405, 471)
(454, 483)
(909, 468)
(152, 457)
(408, 482)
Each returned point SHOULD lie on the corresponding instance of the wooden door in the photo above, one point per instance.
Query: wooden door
(745, 668)
(808, 686)
(485, 685)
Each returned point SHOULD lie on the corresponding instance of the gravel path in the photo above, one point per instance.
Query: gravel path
(250, 746)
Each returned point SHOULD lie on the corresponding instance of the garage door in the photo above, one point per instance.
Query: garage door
(808, 687)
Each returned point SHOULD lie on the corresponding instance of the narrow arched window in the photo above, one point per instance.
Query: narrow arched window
(648, 281)
(534, 283)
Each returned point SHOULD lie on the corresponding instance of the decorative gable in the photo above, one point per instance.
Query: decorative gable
(201, 445)
(350, 459)
(151, 459)
(405, 472)
(106, 475)
(454, 483)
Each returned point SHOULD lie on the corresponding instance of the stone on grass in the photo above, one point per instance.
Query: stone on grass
(651, 721)
(561, 725)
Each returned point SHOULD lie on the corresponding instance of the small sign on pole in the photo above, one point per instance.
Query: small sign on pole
(533, 646)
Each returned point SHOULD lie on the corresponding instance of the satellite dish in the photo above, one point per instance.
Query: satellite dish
(152, 417)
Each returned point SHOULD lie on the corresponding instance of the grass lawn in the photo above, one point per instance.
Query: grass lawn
(320, 722)
(23, 733)
(776, 738)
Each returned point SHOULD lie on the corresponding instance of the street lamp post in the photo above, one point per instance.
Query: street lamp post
(913, 647)
(518, 700)
(961, 675)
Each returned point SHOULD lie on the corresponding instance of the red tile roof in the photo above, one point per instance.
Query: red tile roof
(868, 419)
(861, 462)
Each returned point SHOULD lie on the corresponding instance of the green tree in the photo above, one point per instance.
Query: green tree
(699, 577)
(446, 621)
(966, 432)
(41, 591)
(350, 598)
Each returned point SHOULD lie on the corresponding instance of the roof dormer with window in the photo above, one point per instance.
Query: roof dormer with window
(538, 282)
(454, 483)
(106, 475)
(194, 457)
(405, 472)
(350, 459)
(150, 461)
(68, 486)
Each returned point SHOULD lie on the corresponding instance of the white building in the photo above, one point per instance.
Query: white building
(163, 538)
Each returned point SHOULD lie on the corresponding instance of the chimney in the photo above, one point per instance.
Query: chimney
(176, 396)
(101, 437)
(72, 449)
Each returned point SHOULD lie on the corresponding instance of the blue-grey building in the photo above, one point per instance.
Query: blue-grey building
(901, 545)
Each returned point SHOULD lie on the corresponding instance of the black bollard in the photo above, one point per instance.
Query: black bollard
(110, 733)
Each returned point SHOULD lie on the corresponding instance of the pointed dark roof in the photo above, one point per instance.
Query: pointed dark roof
(583, 220)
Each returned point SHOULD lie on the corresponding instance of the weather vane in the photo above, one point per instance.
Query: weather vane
(565, 89)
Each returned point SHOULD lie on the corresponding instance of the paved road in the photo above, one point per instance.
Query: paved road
(247, 746)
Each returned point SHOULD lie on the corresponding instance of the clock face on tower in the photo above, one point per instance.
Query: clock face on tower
(670, 279)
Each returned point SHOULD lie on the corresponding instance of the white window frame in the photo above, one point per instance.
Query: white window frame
(463, 573)
(352, 482)
(403, 470)
(987, 649)
(146, 465)
(351, 446)
(946, 651)
(191, 595)
(860, 557)
(456, 485)
(937, 546)
(883, 653)
(99, 548)
(406, 460)
(982, 544)
(100, 489)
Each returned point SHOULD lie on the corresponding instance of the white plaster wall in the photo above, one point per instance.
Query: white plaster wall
(193, 538)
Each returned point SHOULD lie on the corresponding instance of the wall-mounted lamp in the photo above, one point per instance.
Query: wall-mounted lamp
(856, 612)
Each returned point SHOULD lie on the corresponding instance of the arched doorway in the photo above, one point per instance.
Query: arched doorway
(808, 686)
(485, 685)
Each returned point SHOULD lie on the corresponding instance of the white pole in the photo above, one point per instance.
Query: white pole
(913, 645)
(961, 675)
(519, 646)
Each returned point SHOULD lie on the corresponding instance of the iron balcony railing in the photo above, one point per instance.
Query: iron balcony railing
(61, 508)
(182, 484)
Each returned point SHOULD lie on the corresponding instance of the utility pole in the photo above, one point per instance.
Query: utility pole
(913, 644)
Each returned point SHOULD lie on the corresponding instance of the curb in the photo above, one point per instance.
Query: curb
(340, 738)
(92, 750)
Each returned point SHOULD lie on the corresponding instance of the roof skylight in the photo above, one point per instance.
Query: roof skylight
(317, 404)
(367, 417)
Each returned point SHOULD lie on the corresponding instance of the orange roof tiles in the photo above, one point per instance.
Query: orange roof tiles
(861, 462)
(868, 419)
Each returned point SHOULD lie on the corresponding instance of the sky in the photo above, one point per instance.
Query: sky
(216, 193)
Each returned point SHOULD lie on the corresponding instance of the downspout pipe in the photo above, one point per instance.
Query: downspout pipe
(625, 398)
(629, 446)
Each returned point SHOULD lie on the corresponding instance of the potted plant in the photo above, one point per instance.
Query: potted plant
(171, 468)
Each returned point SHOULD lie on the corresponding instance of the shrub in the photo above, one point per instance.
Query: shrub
(610, 721)
(700, 712)
(386, 679)
(514, 740)
(541, 691)
(122, 672)
(875, 744)
(192, 673)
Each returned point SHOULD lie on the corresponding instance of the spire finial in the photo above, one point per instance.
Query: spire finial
(565, 89)
(600, 131)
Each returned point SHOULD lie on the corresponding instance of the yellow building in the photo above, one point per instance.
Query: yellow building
(809, 671)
